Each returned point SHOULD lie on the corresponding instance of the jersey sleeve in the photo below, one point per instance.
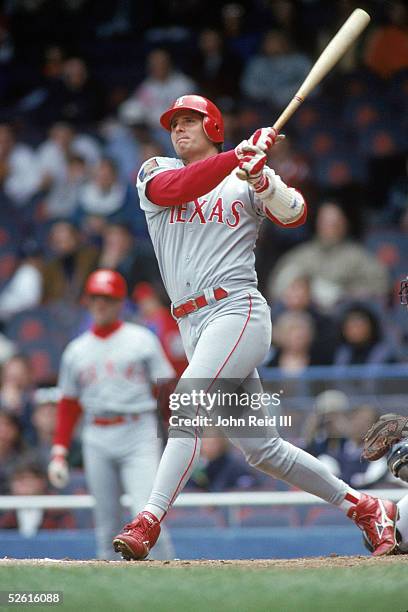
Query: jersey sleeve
(151, 168)
(68, 382)
(258, 205)
(158, 365)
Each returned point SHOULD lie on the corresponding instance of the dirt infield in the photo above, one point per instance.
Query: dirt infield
(332, 561)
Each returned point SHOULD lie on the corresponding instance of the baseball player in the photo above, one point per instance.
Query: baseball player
(203, 221)
(389, 436)
(107, 375)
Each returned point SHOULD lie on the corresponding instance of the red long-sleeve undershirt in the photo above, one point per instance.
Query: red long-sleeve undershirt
(69, 412)
(175, 187)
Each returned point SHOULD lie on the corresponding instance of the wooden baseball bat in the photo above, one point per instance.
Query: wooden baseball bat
(337, 47)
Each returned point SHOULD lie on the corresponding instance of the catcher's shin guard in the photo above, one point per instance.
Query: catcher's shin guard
(377, 519)
(138, 537)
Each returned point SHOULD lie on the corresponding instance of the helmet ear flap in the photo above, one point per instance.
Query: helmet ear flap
(212, 129)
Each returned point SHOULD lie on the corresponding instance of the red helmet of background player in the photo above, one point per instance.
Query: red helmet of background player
(213, 124)
(106, 282)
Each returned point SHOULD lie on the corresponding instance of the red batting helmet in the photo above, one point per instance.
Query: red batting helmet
(213, 124)
(106, 282)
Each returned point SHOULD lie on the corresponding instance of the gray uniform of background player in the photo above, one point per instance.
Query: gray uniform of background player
(113, 376)
(199, 246)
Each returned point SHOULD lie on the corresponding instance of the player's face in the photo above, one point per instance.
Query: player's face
(188, 137)
(103, 309)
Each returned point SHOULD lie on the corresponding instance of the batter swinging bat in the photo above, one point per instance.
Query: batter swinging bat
(336, 48)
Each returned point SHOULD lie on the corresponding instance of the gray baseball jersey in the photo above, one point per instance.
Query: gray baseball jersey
(114, 374)
(207, 242)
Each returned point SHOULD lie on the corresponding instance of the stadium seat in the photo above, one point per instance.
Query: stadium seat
(391, 248)
(339, 169)
(381, 140)
(360, 114)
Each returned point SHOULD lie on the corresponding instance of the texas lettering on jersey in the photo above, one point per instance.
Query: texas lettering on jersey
(202, 212)
(206, 241)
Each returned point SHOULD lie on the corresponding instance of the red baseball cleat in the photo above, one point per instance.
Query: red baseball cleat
(377, 518)
(138, 537)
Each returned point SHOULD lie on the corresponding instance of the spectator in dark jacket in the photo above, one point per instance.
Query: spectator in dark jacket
(220, 469)
(362, 339)
(66, 272)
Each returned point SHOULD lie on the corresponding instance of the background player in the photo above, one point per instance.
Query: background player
(203, 222)
(389, 436)
(107, 374)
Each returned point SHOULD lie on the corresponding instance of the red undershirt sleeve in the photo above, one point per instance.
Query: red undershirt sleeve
(175, 187)
(69, 411)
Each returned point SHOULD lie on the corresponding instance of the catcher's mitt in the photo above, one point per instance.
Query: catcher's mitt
(389, 428)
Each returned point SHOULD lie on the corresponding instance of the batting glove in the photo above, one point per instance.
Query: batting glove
(58, 469)
(252, 164)
(265, 138)
(245, 148)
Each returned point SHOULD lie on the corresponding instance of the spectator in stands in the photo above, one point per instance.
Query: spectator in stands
(29, 478)
(219, 469)
(16, 387)
(43, 420)
(157, 317)
(7, 349)
(24, 289)
(362, 339)
(359, 472)
(75, 98)
(339, 268)
(19, 177)
(53, 65)
(65, 273)
(239, 39)
(122, 252)
(293, 335)
(386, 50)
(274, 75)
(125, 138)
(105, 199)
(162, 85)
(296, 298)
(7, 52)
(62, 198)
(216, 70)
(328, 427)
(11, 447)
(64, 141)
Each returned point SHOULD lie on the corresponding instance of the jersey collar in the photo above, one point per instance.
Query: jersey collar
(103, 331)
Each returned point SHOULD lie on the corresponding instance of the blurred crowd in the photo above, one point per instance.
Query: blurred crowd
(79, 116)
